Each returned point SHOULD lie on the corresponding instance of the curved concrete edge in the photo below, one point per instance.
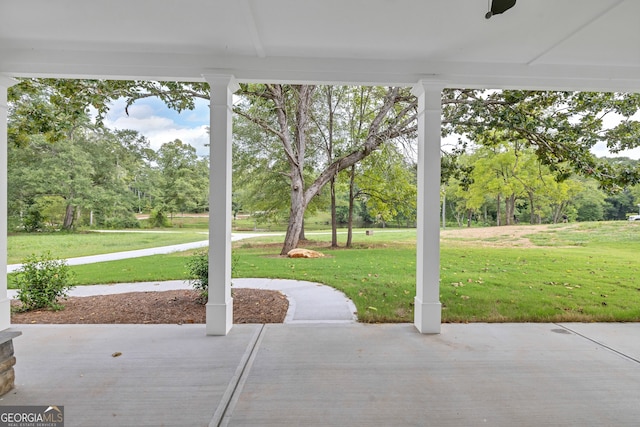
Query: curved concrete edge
(309, 302)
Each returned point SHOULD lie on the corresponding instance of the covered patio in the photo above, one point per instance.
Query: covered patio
(428, 45)
(333, 375)
(542, 374)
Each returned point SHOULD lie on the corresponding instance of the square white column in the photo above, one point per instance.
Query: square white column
(220, 304)
(5, 304)
(427, 308)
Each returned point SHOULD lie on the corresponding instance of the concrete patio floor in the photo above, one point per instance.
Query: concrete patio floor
(332, 374)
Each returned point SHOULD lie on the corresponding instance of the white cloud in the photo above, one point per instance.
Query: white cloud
(159, 124)
(151, 118)
(601, 150)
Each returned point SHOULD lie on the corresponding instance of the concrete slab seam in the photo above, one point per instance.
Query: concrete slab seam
(228, 413)
(227, 397)
(619, 353)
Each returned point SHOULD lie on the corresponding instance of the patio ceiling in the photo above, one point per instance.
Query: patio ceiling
(539, 44)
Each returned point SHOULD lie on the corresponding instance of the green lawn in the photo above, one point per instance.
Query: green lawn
(70, 245)
(145, 269)
(567, 272)
(589, 282)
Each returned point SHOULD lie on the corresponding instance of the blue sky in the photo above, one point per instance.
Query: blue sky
(159, 124)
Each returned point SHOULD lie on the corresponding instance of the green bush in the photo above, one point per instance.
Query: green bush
(159, 219)
(120, 222)
(41, 281)
(33, 221)
(198, 267)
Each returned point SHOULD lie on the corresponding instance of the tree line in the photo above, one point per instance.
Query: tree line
(521, 155)
(67, 171)
(507, 184)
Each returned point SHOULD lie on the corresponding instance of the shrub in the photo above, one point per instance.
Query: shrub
(41, 281)
(121, 221)
(198, 267)
(159, 219)
(33, 221)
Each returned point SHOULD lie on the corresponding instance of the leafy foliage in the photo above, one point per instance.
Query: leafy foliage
(183, 183)
(198, 268)
(42, 281)
(387, 184)
(561, 127)
(158, 218)
(198, 272)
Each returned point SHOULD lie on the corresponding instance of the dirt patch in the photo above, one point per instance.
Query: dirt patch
(167, 307)
(503, 236)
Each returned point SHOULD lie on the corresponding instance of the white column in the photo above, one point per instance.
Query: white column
(220, 304)
(5, 304)
(428, 310)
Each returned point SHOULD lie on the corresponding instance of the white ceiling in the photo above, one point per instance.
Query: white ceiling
(539, 44)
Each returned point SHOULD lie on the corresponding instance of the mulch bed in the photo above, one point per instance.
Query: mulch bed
(167, 307)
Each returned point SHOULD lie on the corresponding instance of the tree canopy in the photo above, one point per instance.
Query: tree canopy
(515, 146)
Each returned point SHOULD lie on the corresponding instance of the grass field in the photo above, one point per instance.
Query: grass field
(586, 272)
(70, 245)
(567, 272)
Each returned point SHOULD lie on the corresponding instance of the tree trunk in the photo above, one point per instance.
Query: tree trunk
(459, 218)
(334, 219)
(332, 181)
(498, 212)
(509, 209)
(296, 213)
(557, 211)
(302, 237)
(532, 213)
(67, 223)
(444, 209)
(351, 202)
(296, 156)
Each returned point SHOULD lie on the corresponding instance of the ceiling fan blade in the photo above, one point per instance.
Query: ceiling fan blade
(500, 6)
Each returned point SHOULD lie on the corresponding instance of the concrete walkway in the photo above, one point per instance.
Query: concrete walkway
(308, 301)
(126, 254)
(115, 256)
(332, 375)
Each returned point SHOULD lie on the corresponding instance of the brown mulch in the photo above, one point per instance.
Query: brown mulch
(176, 307)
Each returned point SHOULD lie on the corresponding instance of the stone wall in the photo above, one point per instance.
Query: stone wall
(7, 360)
